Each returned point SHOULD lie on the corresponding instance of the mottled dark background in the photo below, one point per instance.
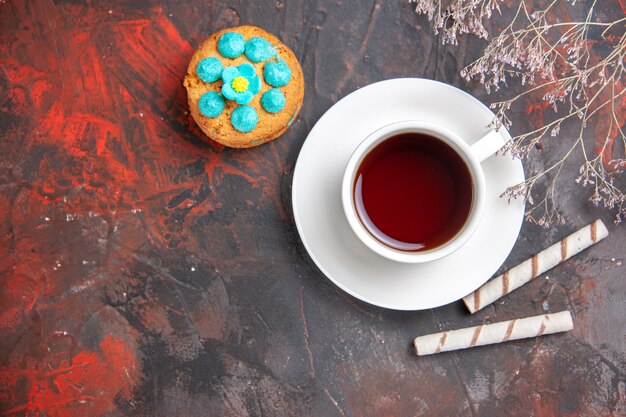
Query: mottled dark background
(145, 272)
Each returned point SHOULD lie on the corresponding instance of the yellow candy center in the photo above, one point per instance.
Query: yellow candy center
(240, 84)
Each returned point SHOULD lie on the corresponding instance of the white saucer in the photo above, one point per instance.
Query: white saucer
(325, 232)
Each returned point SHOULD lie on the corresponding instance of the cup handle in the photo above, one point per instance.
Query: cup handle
(488, 145)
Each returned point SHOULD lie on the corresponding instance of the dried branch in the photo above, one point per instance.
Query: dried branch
(555, 62)
(458, 17)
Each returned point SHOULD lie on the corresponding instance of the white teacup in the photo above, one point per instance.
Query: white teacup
(472, 156)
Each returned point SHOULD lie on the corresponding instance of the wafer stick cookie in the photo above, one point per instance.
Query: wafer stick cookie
(535, 266)
(488, 334)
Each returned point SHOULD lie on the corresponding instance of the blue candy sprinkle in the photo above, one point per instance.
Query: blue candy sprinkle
(231, 44)
(209, 69)
(259, 50)
(244, 118)
(273, 100)
(211, 104)
(277, 74)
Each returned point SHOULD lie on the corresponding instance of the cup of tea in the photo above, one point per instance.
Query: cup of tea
(414, 191)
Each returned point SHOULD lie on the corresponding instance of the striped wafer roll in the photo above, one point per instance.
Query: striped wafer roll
(489, 334)
(535, 266)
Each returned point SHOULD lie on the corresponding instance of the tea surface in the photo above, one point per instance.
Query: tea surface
(413, 192)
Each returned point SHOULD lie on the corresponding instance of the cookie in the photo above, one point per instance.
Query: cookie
(244, 87)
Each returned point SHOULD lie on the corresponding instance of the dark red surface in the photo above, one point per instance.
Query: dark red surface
(145, 272)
